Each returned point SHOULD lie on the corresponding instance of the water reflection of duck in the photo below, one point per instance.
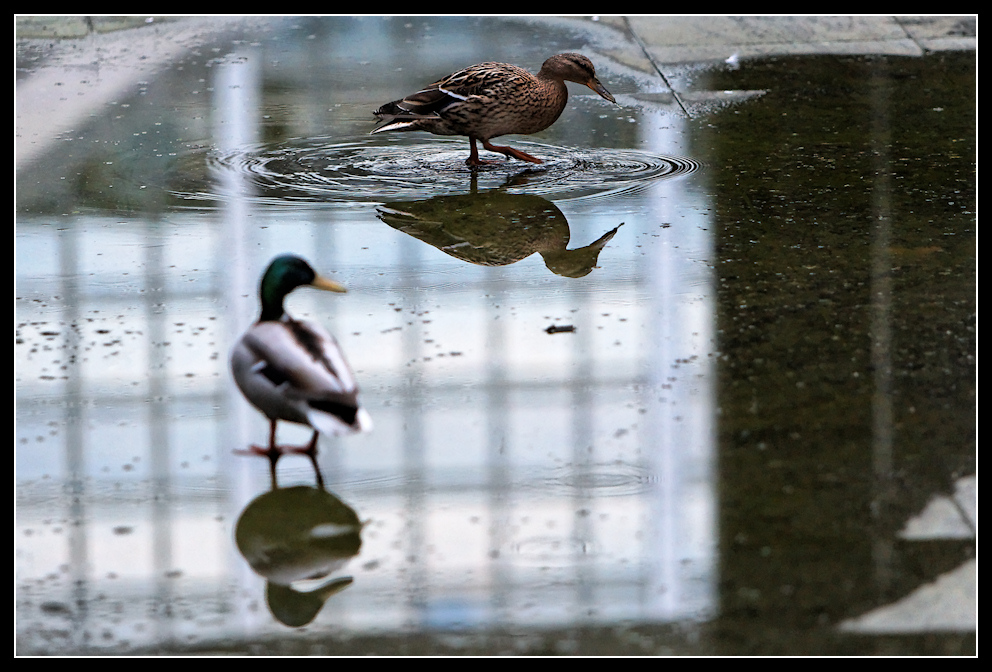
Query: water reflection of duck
(294, 535)
(294, 370)
(487, 100)
(495, 228)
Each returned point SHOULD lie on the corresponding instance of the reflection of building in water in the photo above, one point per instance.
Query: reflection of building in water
(515, 477)
(496, 228)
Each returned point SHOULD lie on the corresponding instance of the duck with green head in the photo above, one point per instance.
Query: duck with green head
(294, 370)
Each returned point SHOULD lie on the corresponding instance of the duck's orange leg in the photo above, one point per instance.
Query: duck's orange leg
(310, 450)
(510, 151)
(474, 160)
(274, 452)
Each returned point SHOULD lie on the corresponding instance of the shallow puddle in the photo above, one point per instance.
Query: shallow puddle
(678, 389)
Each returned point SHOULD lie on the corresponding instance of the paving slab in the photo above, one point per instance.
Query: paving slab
(677, 39)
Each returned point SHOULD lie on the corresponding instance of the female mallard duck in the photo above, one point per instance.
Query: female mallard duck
(294, 370)
(491, 99)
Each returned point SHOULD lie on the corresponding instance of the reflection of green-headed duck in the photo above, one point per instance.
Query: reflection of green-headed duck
(294, 370)
(495, 228)
(487, 100)
(298, 535)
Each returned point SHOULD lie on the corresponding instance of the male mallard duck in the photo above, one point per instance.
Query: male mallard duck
(491, 99)
(294, 370)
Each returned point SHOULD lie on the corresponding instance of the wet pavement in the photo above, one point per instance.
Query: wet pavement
(701, 384)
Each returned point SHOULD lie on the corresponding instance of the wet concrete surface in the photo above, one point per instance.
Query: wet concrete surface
(759, 439)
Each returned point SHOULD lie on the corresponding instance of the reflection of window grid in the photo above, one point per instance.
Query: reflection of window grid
(507, 487)
(499, 486)
(139, 360)
(503, 482)
(564, 535)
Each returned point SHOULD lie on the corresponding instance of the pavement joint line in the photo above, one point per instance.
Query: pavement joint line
(647, 54)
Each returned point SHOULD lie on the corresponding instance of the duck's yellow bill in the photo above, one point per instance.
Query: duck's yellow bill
(321, 282)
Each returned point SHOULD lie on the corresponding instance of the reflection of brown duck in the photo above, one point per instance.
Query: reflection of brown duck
(298, 534)
(495, 228)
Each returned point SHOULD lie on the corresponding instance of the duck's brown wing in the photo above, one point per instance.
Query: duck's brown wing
(484, 79)
(428, 102)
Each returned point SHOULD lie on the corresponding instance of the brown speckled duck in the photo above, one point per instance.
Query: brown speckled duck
(487, 100)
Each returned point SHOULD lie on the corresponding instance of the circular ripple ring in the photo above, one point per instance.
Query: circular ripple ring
(369, 171)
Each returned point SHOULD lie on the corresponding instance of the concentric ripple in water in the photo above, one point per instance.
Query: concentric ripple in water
(599, 480)
(369, 171)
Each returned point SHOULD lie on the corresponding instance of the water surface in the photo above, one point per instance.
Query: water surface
(676, 390)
